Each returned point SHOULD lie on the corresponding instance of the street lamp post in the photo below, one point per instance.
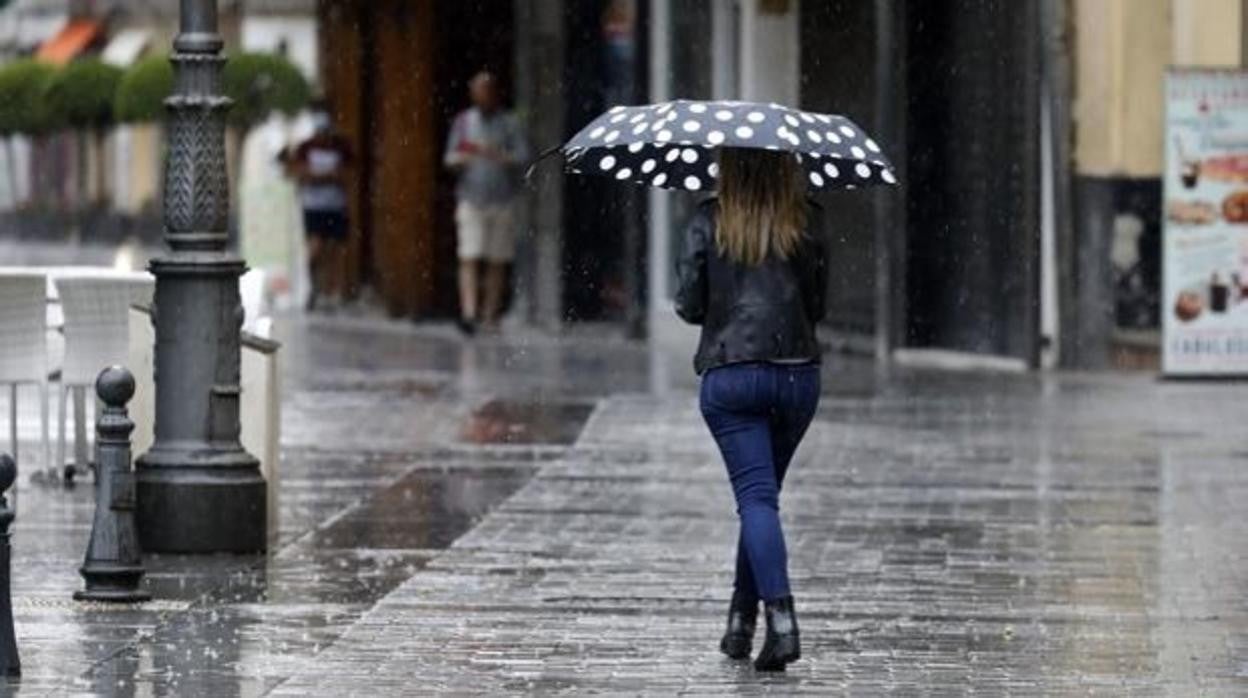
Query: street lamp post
(198, 490)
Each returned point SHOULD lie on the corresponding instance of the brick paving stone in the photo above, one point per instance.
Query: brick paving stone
(1011, 536)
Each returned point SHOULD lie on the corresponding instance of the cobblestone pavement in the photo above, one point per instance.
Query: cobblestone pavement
(447, 525)
(1024, 536)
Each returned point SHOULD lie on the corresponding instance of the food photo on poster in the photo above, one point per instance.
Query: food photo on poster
(1205, 311)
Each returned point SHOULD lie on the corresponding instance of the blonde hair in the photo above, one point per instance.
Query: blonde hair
(762, 204)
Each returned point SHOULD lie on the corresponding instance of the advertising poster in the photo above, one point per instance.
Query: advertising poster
(1205, 235)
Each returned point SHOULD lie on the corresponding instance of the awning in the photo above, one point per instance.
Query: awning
(126, 47)
(71, 41)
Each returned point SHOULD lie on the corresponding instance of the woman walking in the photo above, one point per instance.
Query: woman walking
(753, 275)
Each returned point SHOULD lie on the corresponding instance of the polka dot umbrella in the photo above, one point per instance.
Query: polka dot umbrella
(672, 144)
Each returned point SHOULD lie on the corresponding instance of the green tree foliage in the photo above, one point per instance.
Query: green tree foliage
(142, 91)
(260, 83)
(24, 98)
(81, 94)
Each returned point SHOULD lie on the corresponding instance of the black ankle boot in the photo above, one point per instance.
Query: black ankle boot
(782, 644)
(742, 617)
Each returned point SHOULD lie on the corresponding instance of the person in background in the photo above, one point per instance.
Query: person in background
(485, 150)
(320, 166)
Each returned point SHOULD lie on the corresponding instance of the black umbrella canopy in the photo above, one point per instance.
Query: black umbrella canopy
(672, 144)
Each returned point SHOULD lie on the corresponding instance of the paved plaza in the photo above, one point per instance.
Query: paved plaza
(547, 514)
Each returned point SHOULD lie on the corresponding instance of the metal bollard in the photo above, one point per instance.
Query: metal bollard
(114, 563)
(10, 664)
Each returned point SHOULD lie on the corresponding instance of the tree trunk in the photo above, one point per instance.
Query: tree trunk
(11, 151)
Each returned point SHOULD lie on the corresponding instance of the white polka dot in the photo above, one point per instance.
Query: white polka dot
(607, 162)
(659, 180)
(635, 147)
(640, 128)
(771, 146)
(697, 108)
(689, 155)
(624, 173)
(618, 118)
(691, 126)
(756, 117)
(814, 136)
(672, 154)
(663, 109)
(637, 117)
(863, 170)
(824, 118)
(887, 176)
(792, 120)
(850, 187)
(816, 179)
(873, 146)
(616, 108)
(792, 138)
(849, 132)
(831, 170)
(715, 137)
(713, 170)
(745, 132)
(648, 166)
(611, 137)
(664, 135)
(723, 115)
(671, 116)
(692, 183)
(832, 137)
(782, 133)
(858, 152)
(597, 133)
(807, 117)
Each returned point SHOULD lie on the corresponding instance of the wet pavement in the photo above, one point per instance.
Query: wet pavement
(526, 513)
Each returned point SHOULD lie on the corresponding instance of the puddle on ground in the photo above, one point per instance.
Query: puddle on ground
(523, 422)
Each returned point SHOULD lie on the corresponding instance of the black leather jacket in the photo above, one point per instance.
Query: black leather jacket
(762, 312)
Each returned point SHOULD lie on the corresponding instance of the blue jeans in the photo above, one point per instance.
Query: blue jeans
(758, 413)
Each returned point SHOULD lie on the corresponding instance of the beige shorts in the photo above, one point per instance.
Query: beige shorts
(486, 232)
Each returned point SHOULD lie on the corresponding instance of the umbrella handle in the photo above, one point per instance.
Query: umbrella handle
(528, 172)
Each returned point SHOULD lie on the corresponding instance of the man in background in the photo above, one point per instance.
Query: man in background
(486, 150)
(319, 165)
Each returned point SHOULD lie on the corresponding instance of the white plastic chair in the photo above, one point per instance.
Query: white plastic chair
(23, 343)
(97, 335)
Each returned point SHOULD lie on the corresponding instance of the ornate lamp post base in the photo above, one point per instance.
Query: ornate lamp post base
(213, 508)
(197, 489)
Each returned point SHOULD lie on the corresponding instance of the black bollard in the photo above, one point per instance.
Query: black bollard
(114, 564)
(10, 664)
